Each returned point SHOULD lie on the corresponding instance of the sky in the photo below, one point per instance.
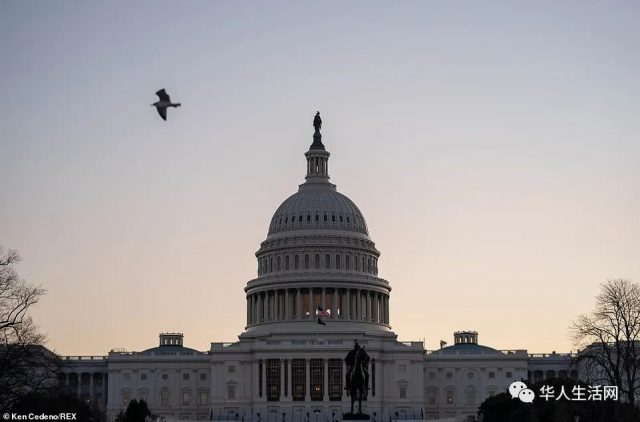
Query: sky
(493, 148)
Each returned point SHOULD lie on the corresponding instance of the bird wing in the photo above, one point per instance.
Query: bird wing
(162, 111)
(164, 97)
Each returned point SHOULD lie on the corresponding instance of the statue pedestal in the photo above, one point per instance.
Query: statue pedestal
(356, 417)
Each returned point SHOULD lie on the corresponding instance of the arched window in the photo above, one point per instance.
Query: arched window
(300, 218)
(325, 217)
(165, 396)
(278, 268)
(286, 262)
(327, 261)
(296, 262)
(271, 264)
(317, 217)
(308, 217)
(333, 218)
(341, 218)
(337, 262)
(317, 261)
(346, 262)
(306, 261)
(364, 268)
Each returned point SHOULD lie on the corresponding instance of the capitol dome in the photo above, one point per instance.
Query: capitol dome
(318, 208)
(317, 257)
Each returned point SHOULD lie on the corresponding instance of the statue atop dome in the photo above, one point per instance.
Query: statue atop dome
(317, 122)
(317, 136)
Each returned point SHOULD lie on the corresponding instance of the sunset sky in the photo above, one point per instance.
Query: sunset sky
(493, 147)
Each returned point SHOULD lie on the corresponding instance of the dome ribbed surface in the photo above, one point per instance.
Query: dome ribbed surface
(318, 209)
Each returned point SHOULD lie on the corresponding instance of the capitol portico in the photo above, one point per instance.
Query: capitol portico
(286, 366)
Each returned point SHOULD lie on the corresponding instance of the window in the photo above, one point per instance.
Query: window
(335, 379)
(492, 374)
(298, 379)
(317, 217)
(449, 375)
(470, 375)
(300, 219)
(403, 391)
(273, 379)
(403, 369)
(231, 391)
(327, 261)
(296, 262)
(470, 394)
(278, 268)
(317, 379)
(325, 217)
(308, 217)
(232, 368)
(306, 261)
(432, 375)
(337, 262)
(185, 376)
(126, 377)
(346, 262)
(143, 376)
(164, 396)
(165, 376)
(203, 377)
(317, 261)
(286, 262)
(431, 396)
(449, 396)
(204, 397)
(186, 398)
(508, 374)
(125, 398)
(333, 218)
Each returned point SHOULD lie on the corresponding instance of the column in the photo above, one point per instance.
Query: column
(282, 380)
(347, 302)
(298, 304)
(79, 384)
(311, 304)
(325, 392)
(386, 309)
(287, 312)
(334, 305)
(369, 307)
(307, 382)
(259, 308)
(276, 306)
(248, 310)
(360, 307)
(91, 387)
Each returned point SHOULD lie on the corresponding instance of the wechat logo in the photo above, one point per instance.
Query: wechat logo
(519, 389)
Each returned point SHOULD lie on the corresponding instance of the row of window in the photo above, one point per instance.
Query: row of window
(471, 375)
(186, 376)
(186, 397)
(282, 222)
(288, 262)
(449, 395)
(276, 387)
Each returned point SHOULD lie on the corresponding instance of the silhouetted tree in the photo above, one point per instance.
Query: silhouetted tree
(26, 366)
(137, 411)
(54, 402)
(610, 339)
(503, 408)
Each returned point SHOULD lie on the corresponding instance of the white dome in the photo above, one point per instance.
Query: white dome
(318, 208)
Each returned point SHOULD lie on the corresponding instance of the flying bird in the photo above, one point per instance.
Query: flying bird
(164, 103)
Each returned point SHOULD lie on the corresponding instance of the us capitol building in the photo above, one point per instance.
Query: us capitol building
(285, 367)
